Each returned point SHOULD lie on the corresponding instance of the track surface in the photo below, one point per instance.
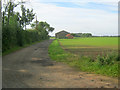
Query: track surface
(31, 67)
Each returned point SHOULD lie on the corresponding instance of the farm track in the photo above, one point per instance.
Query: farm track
(31, 67)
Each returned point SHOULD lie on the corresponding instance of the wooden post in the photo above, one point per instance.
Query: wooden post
(36, 21)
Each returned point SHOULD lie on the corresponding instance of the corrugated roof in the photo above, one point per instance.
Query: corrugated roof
(62, 31)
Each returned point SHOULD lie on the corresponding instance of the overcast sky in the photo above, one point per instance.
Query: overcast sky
(99, 17)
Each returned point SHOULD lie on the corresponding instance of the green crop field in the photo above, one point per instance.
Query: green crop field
(90, 46)
(101, 42)
(95, 54)
(93, 41)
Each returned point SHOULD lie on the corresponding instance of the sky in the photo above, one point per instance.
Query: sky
(99, 17)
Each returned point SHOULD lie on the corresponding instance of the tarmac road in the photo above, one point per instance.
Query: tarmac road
(31, 67)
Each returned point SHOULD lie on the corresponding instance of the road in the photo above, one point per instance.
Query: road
(31, 67)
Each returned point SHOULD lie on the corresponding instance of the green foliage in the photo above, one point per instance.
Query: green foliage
(105, 66)
(56, 53)
(27, 16)
(13, 33)
(18, 48)
(12, 38)
(44, 26)
(33, 26)
(108, 59)
(52, 37)
(17, 37)
(25, 19)
(82, 34)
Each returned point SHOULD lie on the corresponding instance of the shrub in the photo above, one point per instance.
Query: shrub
(108, 59)
(20, 37)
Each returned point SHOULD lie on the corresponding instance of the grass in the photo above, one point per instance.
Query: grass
(18, 48)
(109, 42)
(81, 62)
(52, 37)
(92, 46)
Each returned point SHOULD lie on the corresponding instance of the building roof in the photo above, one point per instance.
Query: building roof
(62, 31)
(69, 35)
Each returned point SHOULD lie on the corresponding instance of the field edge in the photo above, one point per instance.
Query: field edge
(82, 63)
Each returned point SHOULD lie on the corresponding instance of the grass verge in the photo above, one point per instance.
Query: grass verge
(82, 63)
(18, 48)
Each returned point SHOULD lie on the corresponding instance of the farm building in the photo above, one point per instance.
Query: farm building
(61, 34)
(69, 36)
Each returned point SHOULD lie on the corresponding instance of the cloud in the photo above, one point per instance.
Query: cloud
(89, 5)
(78, 15)
(98, 22)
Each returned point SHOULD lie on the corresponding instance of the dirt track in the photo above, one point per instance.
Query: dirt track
(31, 67)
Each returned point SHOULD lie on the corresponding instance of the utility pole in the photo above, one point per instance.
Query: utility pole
(36, 22)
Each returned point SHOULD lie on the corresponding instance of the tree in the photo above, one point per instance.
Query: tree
(9, 11)
(51, 29)
(34, 25)
(73, 34)
(13, 33)
(82, 34)
(27, 16)
(46, 26)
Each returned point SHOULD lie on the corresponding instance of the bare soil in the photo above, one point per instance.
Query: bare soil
(90, 52)
(31, 67)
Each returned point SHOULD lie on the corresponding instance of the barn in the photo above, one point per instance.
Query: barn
(69, 36)
(61, 34)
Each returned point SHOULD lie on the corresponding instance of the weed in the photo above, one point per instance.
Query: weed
(105, 65)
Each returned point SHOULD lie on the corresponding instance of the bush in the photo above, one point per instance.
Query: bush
(20, 37)
(108, 59)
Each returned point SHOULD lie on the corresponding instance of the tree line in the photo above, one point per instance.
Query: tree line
(81, 34)
(14, 31)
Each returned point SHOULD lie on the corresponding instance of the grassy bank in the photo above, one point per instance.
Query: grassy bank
(83, 63)
(18, 48)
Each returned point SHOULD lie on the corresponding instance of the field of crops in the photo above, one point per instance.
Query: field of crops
(90, 46)
(96, 54)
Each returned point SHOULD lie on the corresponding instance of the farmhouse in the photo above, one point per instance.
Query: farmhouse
(61, 34)
(69, 36)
